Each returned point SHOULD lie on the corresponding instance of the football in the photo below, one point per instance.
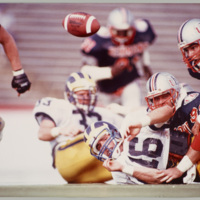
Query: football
(81, 24)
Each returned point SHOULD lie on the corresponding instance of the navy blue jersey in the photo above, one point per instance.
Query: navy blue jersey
(107, 53)
(194, 74)
(181, 125)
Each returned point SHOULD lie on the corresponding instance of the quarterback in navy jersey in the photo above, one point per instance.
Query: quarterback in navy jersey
(112, 55)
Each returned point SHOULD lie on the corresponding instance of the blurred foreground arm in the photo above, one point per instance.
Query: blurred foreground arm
(20, 80)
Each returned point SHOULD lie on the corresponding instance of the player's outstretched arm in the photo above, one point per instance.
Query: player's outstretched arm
(185, 164)
(148, 175)
(20, 80)
(106, 72)
(46, 130)
(134, 121)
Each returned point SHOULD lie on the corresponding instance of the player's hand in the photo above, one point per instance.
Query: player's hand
(170, 174)
(130, 126)
(20, 81)
(196, 127)
(71, 130)
(119, 66)
(112, 165)
(151, 176)
(147, 72)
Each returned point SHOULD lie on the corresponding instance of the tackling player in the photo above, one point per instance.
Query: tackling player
(113, 57)
(169, 106)
(189, 45)
(20, 80)
(62, 123)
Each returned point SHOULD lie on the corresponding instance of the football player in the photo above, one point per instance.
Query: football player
(20, 80)
(62, 123)
(189, 45)
(173, 106)
(115, 54)
(131, 162)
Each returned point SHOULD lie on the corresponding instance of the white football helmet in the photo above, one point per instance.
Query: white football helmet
(159, 84)
(81, 81)
(188, 35)
(99, 131)
(121, 26)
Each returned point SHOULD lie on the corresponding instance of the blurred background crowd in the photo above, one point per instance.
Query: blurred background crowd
(49, 54)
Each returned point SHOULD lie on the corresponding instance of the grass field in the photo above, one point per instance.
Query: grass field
(101, 191)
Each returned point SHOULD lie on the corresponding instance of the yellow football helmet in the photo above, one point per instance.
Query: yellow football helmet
(78, 81)
(106, 132)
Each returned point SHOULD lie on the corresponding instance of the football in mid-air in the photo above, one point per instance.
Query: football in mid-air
(81, 24)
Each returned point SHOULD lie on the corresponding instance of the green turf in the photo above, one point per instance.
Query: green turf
(100, 190)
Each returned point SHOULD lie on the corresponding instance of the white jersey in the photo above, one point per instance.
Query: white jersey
(149, 149)
(64, 114)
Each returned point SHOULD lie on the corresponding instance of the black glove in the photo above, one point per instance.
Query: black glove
(21, 83)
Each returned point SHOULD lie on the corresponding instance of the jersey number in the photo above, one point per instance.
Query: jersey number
(146, 151)
(83, 121)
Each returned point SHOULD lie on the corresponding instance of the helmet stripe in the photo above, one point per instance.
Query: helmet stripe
(152, 82)
(80, 74)
(124, 14)
(180, 39)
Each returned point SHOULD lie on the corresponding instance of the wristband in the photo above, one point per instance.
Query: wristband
(146, 121)
(128, 170)
(198, 119)
(18, 72)
(185, 164)
(55, 132)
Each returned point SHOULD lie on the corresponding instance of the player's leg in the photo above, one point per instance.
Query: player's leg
(76, 165)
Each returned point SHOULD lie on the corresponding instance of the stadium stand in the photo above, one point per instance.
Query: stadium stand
(49, 54)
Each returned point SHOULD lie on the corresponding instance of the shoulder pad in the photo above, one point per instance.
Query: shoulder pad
(190, 97)
(141, 25)
(103, 32)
